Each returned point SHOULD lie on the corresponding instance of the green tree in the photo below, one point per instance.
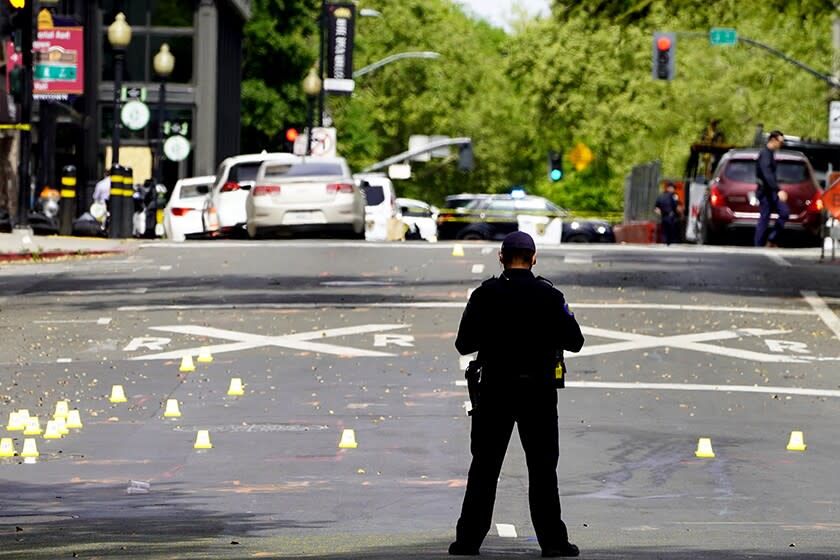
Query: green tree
(281, 43)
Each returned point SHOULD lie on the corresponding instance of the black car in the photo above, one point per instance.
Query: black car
(492, 217)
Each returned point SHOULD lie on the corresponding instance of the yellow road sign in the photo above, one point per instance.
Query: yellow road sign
(581, 156)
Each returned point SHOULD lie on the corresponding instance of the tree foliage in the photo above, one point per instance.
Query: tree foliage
(581, 75)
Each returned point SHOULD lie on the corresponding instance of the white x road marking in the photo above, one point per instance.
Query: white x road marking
(694, 342)
(246, 341)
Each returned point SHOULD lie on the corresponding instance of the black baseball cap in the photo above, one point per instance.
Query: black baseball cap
(519, 240)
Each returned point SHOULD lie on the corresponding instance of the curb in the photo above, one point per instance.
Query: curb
(57, 254)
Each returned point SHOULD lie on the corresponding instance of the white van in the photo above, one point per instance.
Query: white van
(383, 221)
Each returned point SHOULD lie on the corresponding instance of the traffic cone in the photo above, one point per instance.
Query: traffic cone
(7, 447)
(235, 389)
(74, 419)
(33, 427)
(204, 355)
(117, 394)
(16, 422)
(61, 409)
(62, 426)
(202, 440)
(172, 409)
(187, 364)
(348, 440)
(23, 413)
(457, 250)
(30, 450)
(704, 449)
(796, 442)
(53, 430)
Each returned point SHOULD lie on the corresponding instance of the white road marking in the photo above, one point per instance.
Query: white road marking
(478, 269)
(786, 346)
(458, 305)
(776, 258)
(464, 361)
(695, 341)
(100, 321)
(247, 341)
(166, 267)
(577, 259)
(827, 315)
(64, 360)
(798, 391)
(149, 342)
(343, 283)
(460, 382)
(506, 530)
(467, 407)
(405, 340)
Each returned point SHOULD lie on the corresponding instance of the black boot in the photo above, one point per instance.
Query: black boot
(565, 551)
(461, 549)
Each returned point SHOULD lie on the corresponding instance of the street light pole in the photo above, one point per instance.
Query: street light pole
(25, 146)
(312, 89)
(119, 35)
(163, 63)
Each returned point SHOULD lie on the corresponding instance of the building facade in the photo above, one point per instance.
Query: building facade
(202, 92)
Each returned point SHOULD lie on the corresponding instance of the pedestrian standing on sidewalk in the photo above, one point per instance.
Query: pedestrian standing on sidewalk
(519, 324)
(770, 197)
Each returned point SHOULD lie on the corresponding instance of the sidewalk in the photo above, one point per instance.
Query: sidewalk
(21, 245)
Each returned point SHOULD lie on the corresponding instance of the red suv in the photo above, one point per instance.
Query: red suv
(731, 203)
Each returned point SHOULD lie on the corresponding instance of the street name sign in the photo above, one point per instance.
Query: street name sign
(723, 36)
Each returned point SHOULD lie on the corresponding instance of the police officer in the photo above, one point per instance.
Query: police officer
(517, 323)
(668, 207)
(770, 197)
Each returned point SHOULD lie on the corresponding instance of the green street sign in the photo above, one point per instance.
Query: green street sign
(723, 36)
(54, 72)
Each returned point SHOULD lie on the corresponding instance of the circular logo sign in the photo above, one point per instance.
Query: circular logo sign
(176, 148)
(135, 115)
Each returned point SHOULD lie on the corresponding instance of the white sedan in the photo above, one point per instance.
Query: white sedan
(183, 213)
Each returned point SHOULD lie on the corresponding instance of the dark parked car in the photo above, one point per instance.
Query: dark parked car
(492, 217)
(731, 203)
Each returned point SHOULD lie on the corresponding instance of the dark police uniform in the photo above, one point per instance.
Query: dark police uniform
(767, 192)
(517, 323)
(668, 204)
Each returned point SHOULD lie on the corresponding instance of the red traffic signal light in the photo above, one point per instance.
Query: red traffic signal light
(291, 134)
(664, 54)
(663, 43)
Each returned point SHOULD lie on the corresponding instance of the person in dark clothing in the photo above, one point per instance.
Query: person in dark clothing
(668, 208)
(770, 197)
(518, 323)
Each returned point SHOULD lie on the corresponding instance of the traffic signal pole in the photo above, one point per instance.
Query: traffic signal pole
(25, 148)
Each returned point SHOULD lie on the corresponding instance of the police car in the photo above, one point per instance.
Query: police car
(493, 216)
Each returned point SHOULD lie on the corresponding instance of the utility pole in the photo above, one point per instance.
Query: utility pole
(26, 25)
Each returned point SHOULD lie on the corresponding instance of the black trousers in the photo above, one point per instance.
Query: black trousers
(533, 408)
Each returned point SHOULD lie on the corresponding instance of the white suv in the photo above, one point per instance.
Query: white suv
(383, 221)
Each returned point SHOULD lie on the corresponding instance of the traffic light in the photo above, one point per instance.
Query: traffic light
(289, 138)
(664, 53)
(17, 4)
(555, 166)
(16, 83)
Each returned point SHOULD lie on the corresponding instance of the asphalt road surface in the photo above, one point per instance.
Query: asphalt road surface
(736, 345)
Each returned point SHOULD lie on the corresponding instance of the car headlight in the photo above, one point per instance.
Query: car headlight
(575, 225)
(601, 229)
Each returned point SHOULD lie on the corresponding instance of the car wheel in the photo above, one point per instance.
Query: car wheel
(578, 238)
(474, 235)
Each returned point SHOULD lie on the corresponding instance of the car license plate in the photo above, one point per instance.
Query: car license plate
(752, 198)
(303, 217)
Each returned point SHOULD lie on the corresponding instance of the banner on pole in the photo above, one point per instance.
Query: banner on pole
(341, 20)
